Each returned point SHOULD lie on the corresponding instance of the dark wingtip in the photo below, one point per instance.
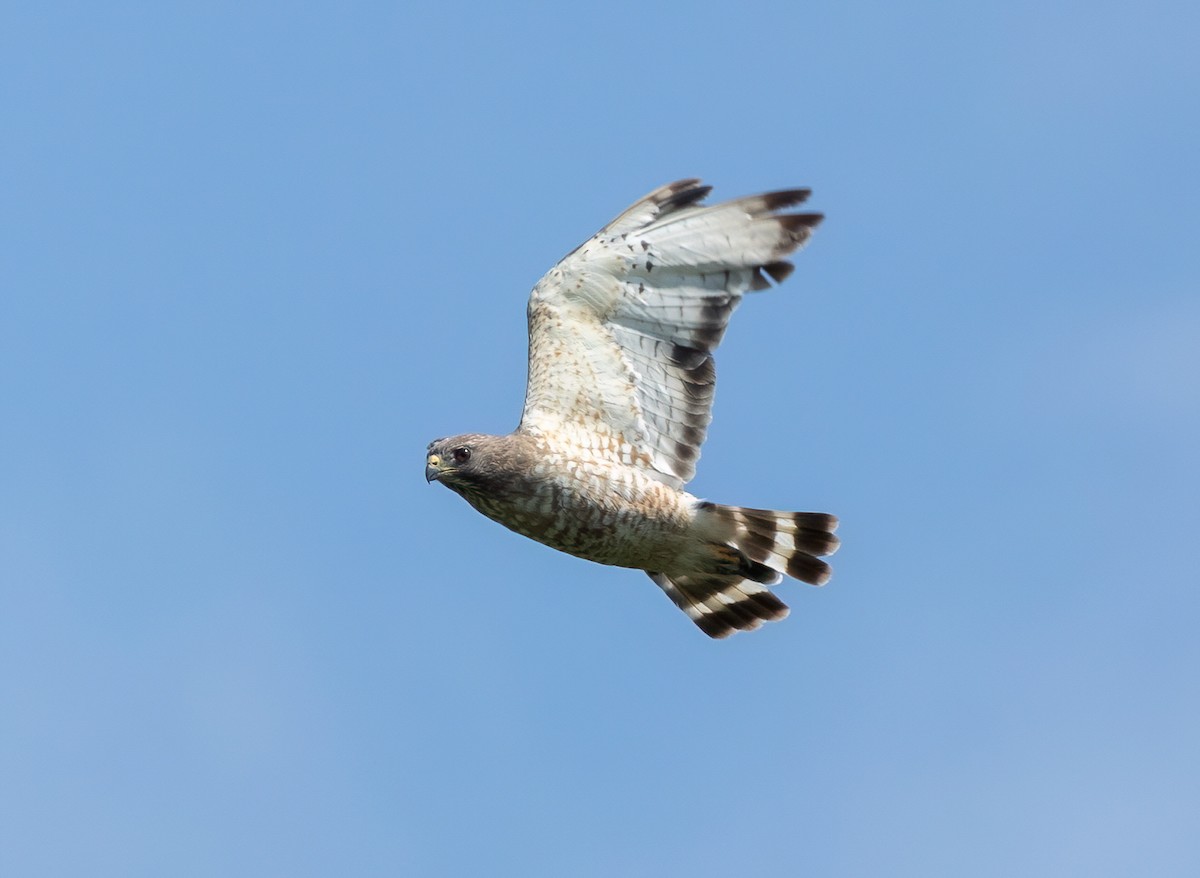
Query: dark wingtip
(683, 193)
(797, 228)
(800, 222)
(785, 198)
(779, 271)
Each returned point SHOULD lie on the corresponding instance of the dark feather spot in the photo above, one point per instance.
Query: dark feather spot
(815, 520)
(808, 569)
(757, 546)
(798, 227)
(757, 572)
(716, 309)
(779, 271)
(715, 626)
(703, 372)
(682, 194)
(767, 606)
(765, 525)
(785, 198)
(816, 542)
(699, 395)
(685, 357)
(708, 337)
(740, 614)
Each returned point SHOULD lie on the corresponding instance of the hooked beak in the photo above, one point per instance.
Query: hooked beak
(433, 470)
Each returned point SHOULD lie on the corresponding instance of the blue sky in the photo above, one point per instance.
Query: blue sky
(254, 257)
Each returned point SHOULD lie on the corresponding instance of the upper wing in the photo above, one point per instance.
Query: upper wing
(621, 331)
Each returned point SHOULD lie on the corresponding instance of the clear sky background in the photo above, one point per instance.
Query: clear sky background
(254, 256)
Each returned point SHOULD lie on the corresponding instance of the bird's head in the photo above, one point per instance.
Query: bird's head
(466, 463)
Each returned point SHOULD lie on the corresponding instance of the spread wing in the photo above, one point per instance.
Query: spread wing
(622, 330)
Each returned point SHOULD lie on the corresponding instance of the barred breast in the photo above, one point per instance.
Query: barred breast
(595, 509)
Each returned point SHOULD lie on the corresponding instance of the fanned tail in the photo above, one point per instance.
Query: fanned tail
(751, 549)
(789, 542)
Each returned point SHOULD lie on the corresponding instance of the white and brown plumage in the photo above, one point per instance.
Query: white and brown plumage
(621, 378)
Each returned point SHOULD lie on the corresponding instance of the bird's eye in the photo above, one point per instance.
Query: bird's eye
(462, 454)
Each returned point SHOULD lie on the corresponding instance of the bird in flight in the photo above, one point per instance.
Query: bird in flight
(619, 399)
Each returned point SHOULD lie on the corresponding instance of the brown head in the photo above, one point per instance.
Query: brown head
(474, 463)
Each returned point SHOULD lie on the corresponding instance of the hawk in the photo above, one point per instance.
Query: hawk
(619, 398)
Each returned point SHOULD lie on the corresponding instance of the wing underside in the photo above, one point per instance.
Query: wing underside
(622, 330)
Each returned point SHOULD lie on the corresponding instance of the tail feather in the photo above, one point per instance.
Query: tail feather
(729, 598)
(789, 542)
(721, 605)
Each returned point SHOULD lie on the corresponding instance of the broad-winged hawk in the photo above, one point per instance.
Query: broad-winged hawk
(621, 378)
